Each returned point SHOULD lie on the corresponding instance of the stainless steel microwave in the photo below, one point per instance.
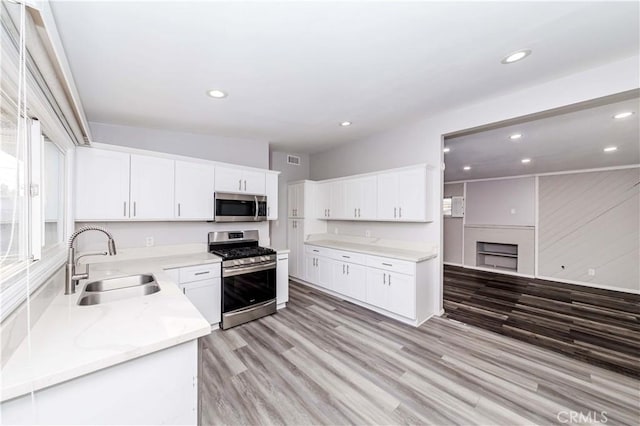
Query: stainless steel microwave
(239, 207)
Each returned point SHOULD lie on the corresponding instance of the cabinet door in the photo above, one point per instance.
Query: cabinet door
(325, 272)
(152, 188)
(102, 184)
(282, 279)
(272, 196)
(194, 191)
(337, 208)
(339, 277)
(311, 270)
(412, 194)
(206, 297)
(228, 180)
(352, 198)
(253, 182)
(356, 281)
(377, 289)
(387, 196)
(402, 294)
(292, 200)
(323, 200)
(368, 202)
(292, 244)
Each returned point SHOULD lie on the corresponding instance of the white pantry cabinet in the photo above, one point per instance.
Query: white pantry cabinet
(102, 185)
(152, 187)
(194, 189)
(295, 200)
(295, 243)
(403, 195)
(240, 181)
(282, 280)
(272, 196)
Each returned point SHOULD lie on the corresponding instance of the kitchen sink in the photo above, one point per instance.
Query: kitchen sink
(120, 282)
(114, 289)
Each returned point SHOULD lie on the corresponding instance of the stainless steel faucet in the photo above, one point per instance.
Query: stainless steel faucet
(72, 278)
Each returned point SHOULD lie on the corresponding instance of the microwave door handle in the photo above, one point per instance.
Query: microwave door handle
(255, 197)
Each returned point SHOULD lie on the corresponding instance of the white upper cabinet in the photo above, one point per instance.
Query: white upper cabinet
(361, 198)
(297, 192)
(194, 188)
(272, 196)
(403, 195)
(323, 200)
(152, 188)
(102, 185)
(240, 181)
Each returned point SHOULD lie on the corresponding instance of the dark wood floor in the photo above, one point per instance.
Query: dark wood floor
(324, 361)
(597, 326)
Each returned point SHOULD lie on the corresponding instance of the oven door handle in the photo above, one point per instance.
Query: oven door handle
(255, 197)
(248, 269)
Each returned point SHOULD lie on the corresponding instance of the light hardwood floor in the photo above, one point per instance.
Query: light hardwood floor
(325, 361)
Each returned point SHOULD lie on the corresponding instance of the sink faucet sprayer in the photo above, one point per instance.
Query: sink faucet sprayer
(72, 278)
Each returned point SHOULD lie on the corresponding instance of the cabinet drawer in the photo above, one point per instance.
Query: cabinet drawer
(318, 251)
(199, 273)
(393, 265)
(348, 256)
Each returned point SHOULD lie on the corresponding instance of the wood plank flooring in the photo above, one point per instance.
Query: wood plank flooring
(325, 361)
(601, 327)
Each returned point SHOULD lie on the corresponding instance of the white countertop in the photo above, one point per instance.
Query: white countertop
(69, 341)
(378, 250)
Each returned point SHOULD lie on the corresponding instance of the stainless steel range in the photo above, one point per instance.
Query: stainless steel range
(248, 276)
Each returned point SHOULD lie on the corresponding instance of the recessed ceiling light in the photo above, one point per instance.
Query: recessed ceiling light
(447, 149)
(466, 168)
(525, 160)
(515, 136)
(218, 94)
(623, 115)
(345, 123)
(516, 56)
(610, 149)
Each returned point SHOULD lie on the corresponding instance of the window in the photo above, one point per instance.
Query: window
(53, 195)
(446, 206)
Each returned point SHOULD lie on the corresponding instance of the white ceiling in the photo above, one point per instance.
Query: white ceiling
(294, 70)
(569, 141)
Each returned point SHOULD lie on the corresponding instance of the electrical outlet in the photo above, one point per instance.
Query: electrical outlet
(591, 272)
(367, 233)
(513, 211)
(148, 241)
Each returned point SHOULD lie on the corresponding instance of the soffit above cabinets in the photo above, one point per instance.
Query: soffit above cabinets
(293, 71)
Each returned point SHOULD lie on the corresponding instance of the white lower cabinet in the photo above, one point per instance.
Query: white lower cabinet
(392, 292)
(384, 284)
(159, 388)
(282, 279)
(203, 287)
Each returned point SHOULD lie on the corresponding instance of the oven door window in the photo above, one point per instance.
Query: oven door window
(241, 291)
(235, 208)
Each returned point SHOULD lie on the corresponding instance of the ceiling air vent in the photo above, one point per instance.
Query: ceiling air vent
(292, 159)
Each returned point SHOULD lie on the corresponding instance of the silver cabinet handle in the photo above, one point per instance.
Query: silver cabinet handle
(184, 291)
(384, 278)
(387, 264)
(268, 211)
(124, 213)
(389, 279)
(355, 212)
(202, 273)
(346, 257)
(358, 211)
(329, 212)
(178, 209)
(343, 269)
(255, 197)
(394, 212)
(400, 212)
(134, 208)
(316, 251)
(239, 184)
(347, 269)
(245, 184)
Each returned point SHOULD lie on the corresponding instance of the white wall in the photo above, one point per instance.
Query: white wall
(288, 173)
(507, 202)
(246, 152)
(453, 226)
(421, 141)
